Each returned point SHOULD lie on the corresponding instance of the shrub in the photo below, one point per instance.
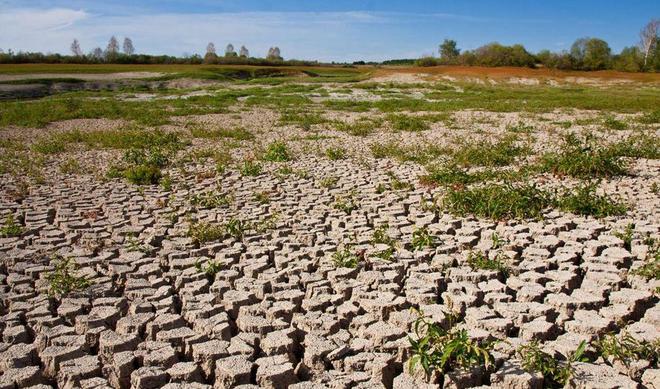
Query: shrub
(277, 152)
(498, 201)
(584, 200)
(64, 280)
(143, 175)
(437, 348)
(583, 158)
(427, 62)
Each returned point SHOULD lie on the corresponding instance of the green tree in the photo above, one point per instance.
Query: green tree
(448, 50)
(630, 59)
(591, 54)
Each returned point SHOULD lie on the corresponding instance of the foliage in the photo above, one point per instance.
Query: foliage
(210, 268)
(345, 257)
(422, 239)
(63, 279)
(277, 152)
(407, 123)
(486, 153)
(625, 348)
(626, 235)
(211, 200)
(584, 158)
(555, 373)
(347, 204)
(584, 200)
(202, 232)
(498, 201)
(143, 174)
(250, 168)
(11, 228)
(437, 348)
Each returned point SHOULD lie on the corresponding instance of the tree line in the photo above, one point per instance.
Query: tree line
(127, 55)
(584, 54)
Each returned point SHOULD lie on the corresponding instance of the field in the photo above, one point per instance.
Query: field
(328, 227)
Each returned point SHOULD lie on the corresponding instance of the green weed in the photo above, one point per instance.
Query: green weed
(11, 228)
(277, 152)
(250, 168)
(556, 374)
(335, 153)
(64, 279)
(584, 200)
(345, 257)
(422, 239)
(625, 349)
(583, 158)
(407, 123)
(478, 260)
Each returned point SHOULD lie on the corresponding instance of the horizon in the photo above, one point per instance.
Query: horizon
(313, 30)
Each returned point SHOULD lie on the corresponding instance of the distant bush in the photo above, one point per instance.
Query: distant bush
(427, 61)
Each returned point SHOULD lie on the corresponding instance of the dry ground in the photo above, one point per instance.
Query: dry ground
(308, 235)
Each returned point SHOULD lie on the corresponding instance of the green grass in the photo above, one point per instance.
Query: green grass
(209, 200)
(508, 201)
(498, 201)
(407, 153)
(625, 349)
(584, 200)
(303, 119)
(203, 232)
(584, 157)
(407, 123)
(502, 152)
(614, 124)
(143, 174)
(361, 127)
(250, 168)
(422, 239)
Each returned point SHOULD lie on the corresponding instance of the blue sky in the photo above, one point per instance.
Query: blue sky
(339, 30)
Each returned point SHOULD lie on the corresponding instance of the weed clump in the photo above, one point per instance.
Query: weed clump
(277, 152)
(335, 153)
(584, 158)
(345, 257)
(250, 168)
(63, 279)
(210, 268)
(625, 348)
(143, 174)
(438, 349)
(210, 200)
(422, 239)
(584, 200)
(556, 374)
(498, 201)
(486, 153)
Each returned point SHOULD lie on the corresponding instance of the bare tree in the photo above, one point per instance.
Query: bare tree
(244, 52)
(274, 53)
(75, 48)
(113, 47)
(210, 48)
(128, 46)
(648, 37)
(97, 53)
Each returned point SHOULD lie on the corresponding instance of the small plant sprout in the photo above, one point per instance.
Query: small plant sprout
(478, 260)
(422, 239)
(497, 241)
(626, 235)
(335, 153)
(625, 348)
(10, 228)
(250, 168)
(210, 267)
(64, 279)
(345, 257)
(329, 182)
(262, 197)
(346, 203)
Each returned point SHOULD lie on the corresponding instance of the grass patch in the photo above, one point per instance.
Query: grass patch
(583, 157)
(361, 127)
(625, 349)
(345, 257)
(477, 260)
(614, 124)
(335, 153)
(250, 168)
(502, 152)
(415, 153)
(556, 374)
(237, 133)
(407, 123)
(584, 200)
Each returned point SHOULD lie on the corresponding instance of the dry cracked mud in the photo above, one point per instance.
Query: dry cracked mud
(277, 311)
